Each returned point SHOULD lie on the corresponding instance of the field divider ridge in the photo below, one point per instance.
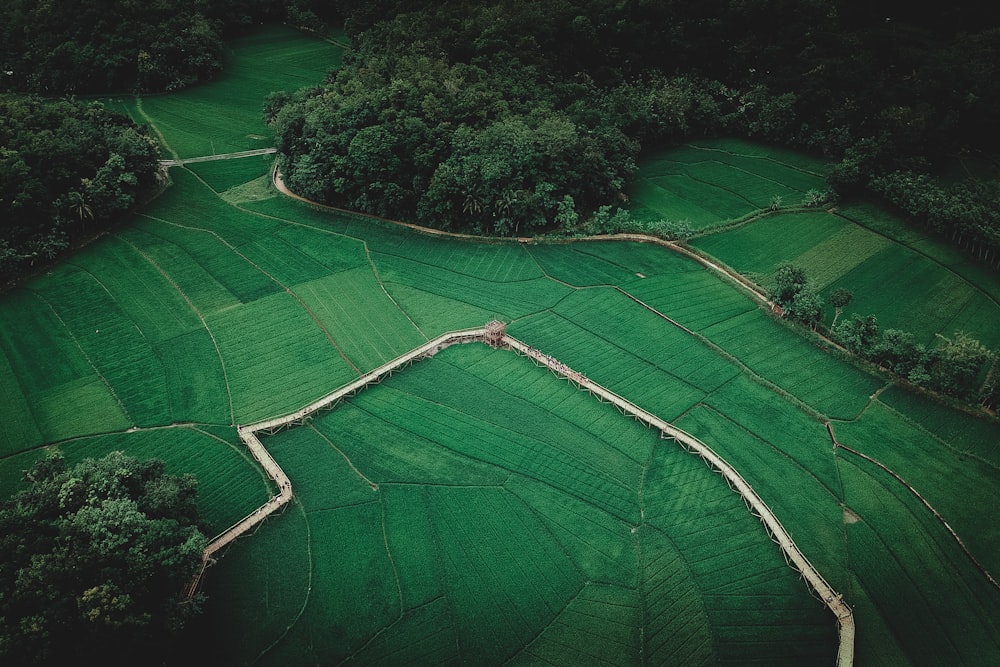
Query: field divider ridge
(500, 339)
(937, 515)
(248, 435)
(795, 558)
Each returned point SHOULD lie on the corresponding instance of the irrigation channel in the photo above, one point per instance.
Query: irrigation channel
(494, 334)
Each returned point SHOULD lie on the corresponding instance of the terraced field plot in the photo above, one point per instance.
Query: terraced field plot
(476, 508)
(905, 287)
(225, 116)
(223, 303)
(712, 182)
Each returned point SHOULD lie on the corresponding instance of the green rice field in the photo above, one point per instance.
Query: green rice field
(474, 507)
(713, 182)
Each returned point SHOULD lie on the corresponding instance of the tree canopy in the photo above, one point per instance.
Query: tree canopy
(94, 561)
(66, 168)
(486, 116)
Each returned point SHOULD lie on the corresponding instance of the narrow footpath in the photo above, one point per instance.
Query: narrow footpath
(494, 334)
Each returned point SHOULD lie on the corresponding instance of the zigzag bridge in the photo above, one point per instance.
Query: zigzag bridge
(494, 334)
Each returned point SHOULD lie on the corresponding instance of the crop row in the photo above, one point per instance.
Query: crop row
(611, 316)
(435, 314)
(277, 358)
(947, 478)
(655, 199)
(494, 519)
(501, 263)
(898, 553)
(695, 300)
(598, 626)
(515, 452)
(783, 357)
(509, 300)
(366, 324)
(112, 342)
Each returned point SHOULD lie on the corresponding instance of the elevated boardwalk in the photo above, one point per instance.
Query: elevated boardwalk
(833, 601)
(248, 434)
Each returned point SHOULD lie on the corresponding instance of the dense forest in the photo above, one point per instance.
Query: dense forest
(96, 558)
(70, 168)
(67, 169)
(507, 116)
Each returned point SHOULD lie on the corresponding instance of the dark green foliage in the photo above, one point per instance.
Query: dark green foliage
(967, 213)
(886, 91)
(86, 46)
(67, 168)
(858, 334)
(95, 559)
(790, 281)
(956, 367)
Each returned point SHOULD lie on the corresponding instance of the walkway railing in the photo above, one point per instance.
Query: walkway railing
(248, 434)
(833, 601)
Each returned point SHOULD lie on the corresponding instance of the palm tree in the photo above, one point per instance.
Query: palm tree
(79, 205)
(472, 205)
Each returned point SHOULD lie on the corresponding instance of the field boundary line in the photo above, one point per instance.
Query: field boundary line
(937, 515)
(218, 352)
(90, 361)
(288, 290)
(489, 335)
(248, 435)
(795, 558)
(754, 157)
(163, 140)
(835, 211)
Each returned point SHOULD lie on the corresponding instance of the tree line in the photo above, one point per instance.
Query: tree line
(487, 116)
(95, 561)
(67, 169)
(960, 366)
(95, 46)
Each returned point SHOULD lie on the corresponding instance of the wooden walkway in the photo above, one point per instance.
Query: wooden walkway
(833, 601)
(248, 434)
(180, 162)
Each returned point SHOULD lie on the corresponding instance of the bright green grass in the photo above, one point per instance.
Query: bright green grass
(277, 358)
(881, 221)
(225, 117)
(119, 351)
(696, 300)
(435, 314)
(506, 300)
(714, 181)
(948, 479)
(905, 287)
(568, 264)
(919, 581)
(974, 436)
(637, 379)
(784, 357)
(223, 175)
(446, 547)
(368, 326)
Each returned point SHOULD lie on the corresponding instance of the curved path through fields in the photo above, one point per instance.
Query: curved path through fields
(248, 434)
